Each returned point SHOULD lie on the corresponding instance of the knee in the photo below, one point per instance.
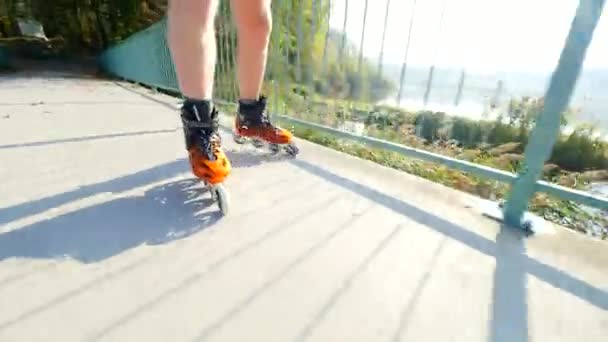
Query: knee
(197, 13)
(256, 28)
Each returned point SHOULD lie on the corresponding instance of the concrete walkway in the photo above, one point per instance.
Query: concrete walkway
(105, 236)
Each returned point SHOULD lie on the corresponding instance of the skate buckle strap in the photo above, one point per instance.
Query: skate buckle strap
(199, 124)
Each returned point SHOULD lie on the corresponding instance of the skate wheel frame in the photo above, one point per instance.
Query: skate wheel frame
(220, 196)
(239, 139)
(274, 148)
(291, 149)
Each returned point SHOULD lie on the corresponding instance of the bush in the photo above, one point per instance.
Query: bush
(470, 133)
(429, 124)
(580, 152)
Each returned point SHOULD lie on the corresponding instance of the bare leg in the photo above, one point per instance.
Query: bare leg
(192, 43)
(254, 23)
(191, 37)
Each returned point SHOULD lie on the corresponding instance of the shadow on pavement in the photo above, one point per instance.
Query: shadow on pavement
(120, 184)
(101, 231)
(509, 312)
(245, 157)
(87, 138)
(164, 213)
(140, 92)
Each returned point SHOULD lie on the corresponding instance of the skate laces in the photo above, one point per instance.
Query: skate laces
(266, 122)
(210, 143)
(205, 134)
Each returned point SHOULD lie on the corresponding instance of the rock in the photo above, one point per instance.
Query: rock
(594, 229)
(469, 155)
(511, 147)
(595, 176)
(568, 180)
(506, 161)
(550, 168)
(512, 157)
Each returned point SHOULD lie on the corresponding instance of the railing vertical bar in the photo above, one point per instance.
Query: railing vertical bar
(286, 55)
(363, 73)
(326, 39)
(232, 37)
(459, 91)
(381, 57)
(312, 37)
(281, 76)
(349, 102)
(407, 52)
(223, 56)
(429, 84)
(299, 41)
(343, 43)
(275, 53)
(221, 65)
(362, 43)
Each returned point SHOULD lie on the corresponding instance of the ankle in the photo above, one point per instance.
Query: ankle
(199, 110)
(252, 107)
(248, 102)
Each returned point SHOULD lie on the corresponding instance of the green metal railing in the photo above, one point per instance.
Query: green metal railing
(143, 58)
(301, 48)
(4, 58)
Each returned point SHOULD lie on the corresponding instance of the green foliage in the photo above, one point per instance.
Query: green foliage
(468, 132)
(577, 152)
(342, 76)
(581, 152)
(429, 124)
(524, 112)
(86, 25)
(502, 133)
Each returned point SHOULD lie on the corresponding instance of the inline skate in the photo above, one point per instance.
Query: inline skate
(204, 145)
(253, 125)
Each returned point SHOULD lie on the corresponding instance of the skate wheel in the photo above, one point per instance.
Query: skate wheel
(257, 143)
(239, 139)
(220, 195)
(274, 148)
(292, 149)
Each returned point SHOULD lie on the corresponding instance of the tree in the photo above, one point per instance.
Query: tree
(85, 24)
(524, 112)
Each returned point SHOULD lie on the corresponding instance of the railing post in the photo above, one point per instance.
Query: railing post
(407, 53)
(460, 88)
(547, 128)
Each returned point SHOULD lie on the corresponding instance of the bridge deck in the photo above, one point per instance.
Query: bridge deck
(105, 236)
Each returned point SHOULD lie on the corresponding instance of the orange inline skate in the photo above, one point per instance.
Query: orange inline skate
(252, 124)
(204, 145)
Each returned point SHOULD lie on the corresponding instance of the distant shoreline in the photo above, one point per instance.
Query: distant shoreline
(590, 95)
(469, 110)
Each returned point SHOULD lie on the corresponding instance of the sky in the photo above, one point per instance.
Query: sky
(479, 35)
